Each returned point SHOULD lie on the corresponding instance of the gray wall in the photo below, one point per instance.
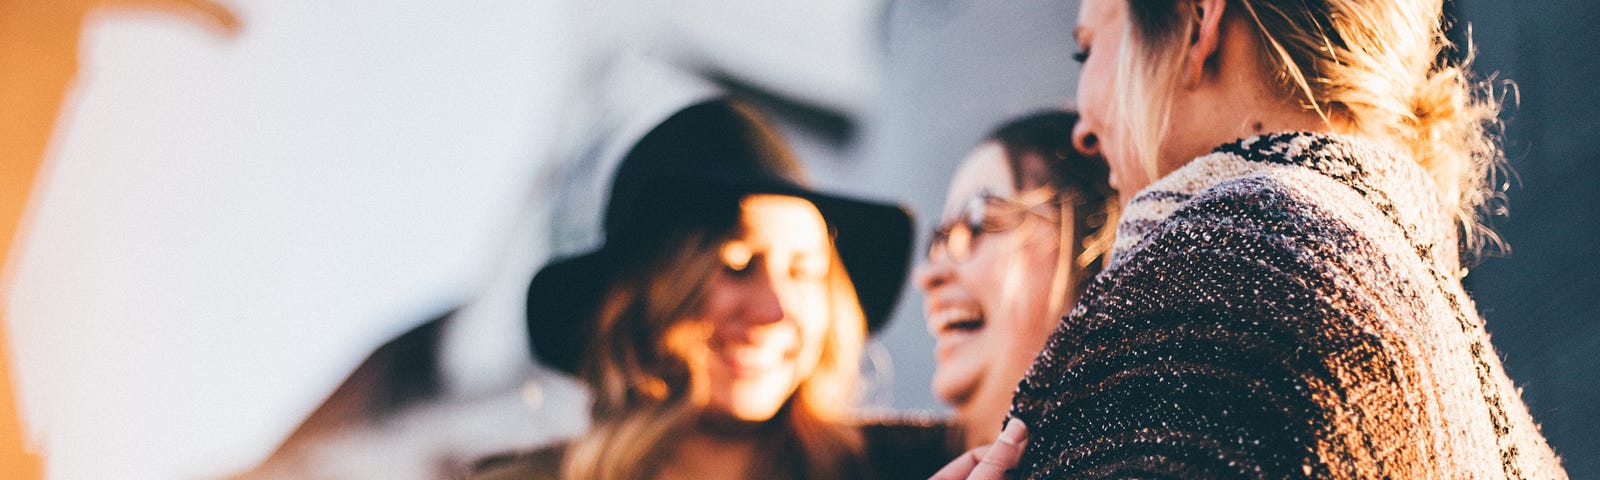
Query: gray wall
(1541, 301)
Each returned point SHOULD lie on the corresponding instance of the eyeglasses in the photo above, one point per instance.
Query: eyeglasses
(956, 237)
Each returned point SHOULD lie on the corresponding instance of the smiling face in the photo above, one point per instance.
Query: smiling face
(991, 312)
(767, 308)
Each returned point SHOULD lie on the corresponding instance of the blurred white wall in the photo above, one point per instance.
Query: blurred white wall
(226, 226)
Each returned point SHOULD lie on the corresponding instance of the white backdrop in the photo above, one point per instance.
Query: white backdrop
(227, 225)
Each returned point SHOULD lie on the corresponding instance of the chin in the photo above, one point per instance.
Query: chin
(953, 390)
(753, 415)
(752, 404)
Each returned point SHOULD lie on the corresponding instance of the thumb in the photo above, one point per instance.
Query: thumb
(1004, 454)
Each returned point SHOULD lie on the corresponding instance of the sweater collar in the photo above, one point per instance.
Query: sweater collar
(1391, 182)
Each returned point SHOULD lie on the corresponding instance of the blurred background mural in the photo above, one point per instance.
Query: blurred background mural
(290, 239)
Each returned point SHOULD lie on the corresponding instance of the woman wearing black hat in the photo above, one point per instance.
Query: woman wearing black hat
(720, 327)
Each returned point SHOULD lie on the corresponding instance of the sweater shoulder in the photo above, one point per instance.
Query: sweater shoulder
(1277, 217)
(1233, 328)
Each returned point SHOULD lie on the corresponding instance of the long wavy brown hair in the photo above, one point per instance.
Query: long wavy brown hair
(649, 381)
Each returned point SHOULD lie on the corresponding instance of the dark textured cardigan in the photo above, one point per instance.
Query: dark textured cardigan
(1286, 306)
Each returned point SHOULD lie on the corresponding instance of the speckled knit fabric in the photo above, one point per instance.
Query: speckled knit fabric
(1286, 306)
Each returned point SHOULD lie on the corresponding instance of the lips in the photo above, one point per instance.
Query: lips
(954, 328)
(955, 320)
(751, 358)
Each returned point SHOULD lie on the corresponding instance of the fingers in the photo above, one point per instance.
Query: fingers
(1004, 454)
(989, 462)
(962, 466)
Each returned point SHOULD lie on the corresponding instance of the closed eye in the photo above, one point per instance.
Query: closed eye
(808, 268)
(737, 257)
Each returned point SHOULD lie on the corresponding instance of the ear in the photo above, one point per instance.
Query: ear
(1204, 42)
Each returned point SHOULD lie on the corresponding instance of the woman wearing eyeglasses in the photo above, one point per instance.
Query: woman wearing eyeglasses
(1025, 226)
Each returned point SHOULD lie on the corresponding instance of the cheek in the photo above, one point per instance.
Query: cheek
(1015, 286)
(1126, 174)
(1037, 317)
(1095, 87)
(720, 300)
(1108, 141)
(1097, 92)
(1020, 335)
(984, 279)
(1091, 94)
(811, 320)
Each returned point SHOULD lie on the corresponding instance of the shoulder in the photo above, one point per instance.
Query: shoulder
(1260, 218)
(540, 463)
(1219, 199)
(1292, 184)
(1273, 201)
(1269, 237)
(907, 446)
(1246, 253)
(1233, 328)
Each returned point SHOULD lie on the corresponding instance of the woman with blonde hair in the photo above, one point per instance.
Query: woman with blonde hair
(1301, 183)
(721, 324)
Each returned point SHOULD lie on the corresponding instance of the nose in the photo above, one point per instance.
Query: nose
(1085, 140)
(763, 299)
(931, 274)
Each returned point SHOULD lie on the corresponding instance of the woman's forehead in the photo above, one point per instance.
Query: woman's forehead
(771, 221)
(985, 169)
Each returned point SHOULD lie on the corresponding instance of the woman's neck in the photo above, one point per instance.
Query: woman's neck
(1238, 96)
(712, 454)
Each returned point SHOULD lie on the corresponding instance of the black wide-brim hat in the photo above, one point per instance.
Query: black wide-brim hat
(691, 171)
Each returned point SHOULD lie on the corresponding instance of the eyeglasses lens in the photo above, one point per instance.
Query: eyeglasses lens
(954, 240)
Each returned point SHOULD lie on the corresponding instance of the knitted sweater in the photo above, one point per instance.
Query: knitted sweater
(1286, 306)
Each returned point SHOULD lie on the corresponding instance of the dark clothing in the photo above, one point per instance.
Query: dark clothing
(895, 450)
(908, 450)
(1287, 306)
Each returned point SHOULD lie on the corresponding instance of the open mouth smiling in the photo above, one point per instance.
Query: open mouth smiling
(955, 320)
